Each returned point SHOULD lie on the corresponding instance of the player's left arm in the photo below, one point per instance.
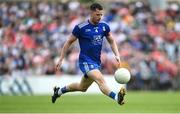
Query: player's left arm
(114, 47)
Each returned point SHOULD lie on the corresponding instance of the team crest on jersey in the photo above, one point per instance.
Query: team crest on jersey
(104, 29)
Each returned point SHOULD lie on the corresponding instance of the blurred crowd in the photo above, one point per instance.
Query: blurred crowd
(33, 33)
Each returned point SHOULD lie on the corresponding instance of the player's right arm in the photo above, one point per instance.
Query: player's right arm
(66, 46)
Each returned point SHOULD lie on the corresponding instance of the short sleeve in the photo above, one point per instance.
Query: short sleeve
(107, 30)
(76, 31)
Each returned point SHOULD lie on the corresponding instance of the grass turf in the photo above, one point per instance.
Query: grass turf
(136, 102)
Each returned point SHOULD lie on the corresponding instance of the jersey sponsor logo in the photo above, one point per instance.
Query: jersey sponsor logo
(97, 40)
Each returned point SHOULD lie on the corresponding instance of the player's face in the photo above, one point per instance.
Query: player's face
(96, 16)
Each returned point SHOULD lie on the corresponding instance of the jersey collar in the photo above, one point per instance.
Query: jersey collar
(91, 23)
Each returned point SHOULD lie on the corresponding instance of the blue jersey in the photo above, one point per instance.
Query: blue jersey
(90, 40)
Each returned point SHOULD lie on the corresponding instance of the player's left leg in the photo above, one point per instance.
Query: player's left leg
(97, 76)
(82, 86)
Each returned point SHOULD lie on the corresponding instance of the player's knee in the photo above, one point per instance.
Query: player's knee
(100, 81)
(83, 89)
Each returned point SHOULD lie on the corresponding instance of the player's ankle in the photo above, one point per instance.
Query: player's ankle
(60, 92)
(116, 97)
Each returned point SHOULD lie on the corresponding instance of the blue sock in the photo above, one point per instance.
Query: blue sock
(112, 95)
(64, 90)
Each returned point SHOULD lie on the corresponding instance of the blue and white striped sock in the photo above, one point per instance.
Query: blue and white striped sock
(113, 95)
(62, 90)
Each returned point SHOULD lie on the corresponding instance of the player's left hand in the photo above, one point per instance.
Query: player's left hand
(118, 60)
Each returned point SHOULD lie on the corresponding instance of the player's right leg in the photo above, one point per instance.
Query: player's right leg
(82, 86)
(97, 76)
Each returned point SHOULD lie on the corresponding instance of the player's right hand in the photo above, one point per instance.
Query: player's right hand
(118, 60)
(58, 66)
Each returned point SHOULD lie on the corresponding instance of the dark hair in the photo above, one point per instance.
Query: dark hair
(95, 6)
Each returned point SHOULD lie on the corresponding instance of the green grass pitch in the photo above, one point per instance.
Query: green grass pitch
(136, 102)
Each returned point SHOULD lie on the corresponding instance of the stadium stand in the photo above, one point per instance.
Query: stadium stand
(31, 34)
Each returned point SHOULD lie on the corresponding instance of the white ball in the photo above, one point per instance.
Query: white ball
(122, 75)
